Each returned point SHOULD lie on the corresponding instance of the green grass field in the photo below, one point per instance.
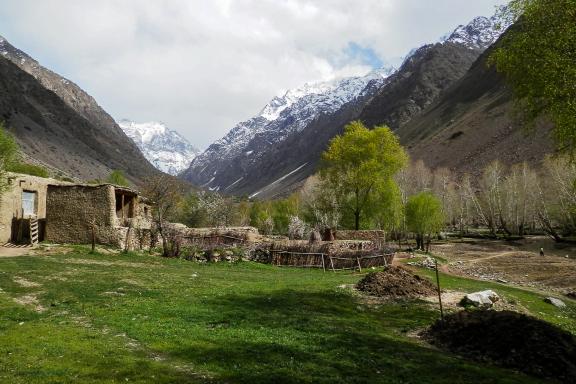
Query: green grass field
(115, 318)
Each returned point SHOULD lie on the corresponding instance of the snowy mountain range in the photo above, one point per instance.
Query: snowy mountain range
(228, 163)
(166, 149)
(281, 117)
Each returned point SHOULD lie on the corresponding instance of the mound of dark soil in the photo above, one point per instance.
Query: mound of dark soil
(509, 339)
(395, 282)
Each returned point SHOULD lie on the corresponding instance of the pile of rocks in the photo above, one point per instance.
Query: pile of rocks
(427, 262)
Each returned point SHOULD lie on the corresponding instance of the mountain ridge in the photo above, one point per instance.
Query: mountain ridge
(59, 124)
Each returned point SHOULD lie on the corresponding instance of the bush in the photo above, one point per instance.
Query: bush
(28, 169)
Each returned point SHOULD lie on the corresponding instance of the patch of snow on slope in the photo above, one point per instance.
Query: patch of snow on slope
(277, 181)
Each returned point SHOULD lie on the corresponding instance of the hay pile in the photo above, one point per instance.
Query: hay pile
(395, 282)
(509, 339)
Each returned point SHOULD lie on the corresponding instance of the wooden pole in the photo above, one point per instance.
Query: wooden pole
(332, 263)
(359, 266)
(323, 263)
(439, 292)
(93, 234)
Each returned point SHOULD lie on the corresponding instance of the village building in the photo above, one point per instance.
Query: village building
(23, 202)
(35, 209)
(114, 215)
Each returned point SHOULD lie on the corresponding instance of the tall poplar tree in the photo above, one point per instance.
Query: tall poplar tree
(359, 167)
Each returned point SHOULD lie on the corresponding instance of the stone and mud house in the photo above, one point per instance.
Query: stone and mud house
(24, 200)
(73, 213)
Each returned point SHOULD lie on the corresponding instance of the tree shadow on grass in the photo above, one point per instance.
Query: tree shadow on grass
(326, 337)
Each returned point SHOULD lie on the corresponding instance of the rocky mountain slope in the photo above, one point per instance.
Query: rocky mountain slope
(273, 153)
(472, 124)
(166, 149)
(58, 124)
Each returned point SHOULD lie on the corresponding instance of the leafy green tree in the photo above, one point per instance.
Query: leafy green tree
(424, 217)
(10, 159)
(260, 217)
(117, 177)
(8, 149)
(390, 216)
(8, 156)
(538, 58)
(282, 211)
(359, 164)
(191, 212)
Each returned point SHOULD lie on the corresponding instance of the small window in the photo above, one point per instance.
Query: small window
(28, 203)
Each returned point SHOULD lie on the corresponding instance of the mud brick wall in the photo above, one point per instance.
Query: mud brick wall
(11, 200)
(71, 209)
(359, 235)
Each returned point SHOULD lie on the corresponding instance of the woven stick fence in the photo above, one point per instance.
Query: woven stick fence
(344, 261)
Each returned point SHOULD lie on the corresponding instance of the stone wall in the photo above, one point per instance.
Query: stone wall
(247, 233)
(11, 201)
(70, 210)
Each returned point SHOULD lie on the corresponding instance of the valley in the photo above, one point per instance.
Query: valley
(402, 209)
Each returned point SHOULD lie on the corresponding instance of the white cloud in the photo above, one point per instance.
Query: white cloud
(203, 66)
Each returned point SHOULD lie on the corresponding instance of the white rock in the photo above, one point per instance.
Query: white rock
(483, 299)
(555, 302)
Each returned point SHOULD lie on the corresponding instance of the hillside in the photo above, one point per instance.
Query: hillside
(57, 123)
(473, 124)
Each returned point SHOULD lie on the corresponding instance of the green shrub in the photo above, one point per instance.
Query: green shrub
(28, 169)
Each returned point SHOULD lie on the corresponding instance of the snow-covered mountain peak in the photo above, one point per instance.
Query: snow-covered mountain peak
(165, 148)
(274, 108)
(481, 32)
(144, 133)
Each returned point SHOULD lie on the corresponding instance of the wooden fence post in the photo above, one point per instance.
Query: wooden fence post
(439, 292)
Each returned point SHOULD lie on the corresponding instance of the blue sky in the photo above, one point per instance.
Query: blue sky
(201, 66)
(365, 55)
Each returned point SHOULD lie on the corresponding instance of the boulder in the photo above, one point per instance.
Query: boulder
(482, 299)
(555, 302)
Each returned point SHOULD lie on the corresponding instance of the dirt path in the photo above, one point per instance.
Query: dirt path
(15, 251)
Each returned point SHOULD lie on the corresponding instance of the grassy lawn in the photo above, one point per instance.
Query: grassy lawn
(111, 318)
